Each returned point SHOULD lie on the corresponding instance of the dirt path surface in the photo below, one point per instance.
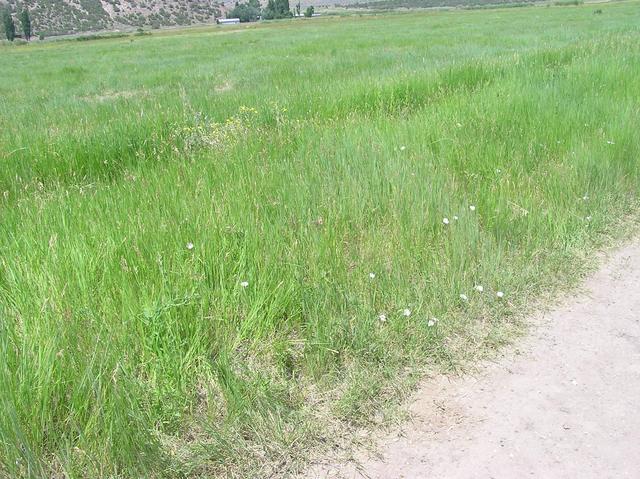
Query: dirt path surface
(564, 404)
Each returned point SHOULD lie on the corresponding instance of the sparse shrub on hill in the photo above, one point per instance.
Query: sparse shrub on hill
(74, 16)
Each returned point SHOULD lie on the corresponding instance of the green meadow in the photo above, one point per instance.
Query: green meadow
(224, 249)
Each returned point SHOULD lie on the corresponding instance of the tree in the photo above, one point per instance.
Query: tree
(269, 11)
(246, 12)
(298, 8)
(25, 20)
(309, 11)
(277, 9)
(9, 26)
(282, 9)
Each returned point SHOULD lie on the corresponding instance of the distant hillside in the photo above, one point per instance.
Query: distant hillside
(71, 16)
(408, 4)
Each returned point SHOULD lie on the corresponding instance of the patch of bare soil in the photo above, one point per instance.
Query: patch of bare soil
(113, 95)
(564, 403)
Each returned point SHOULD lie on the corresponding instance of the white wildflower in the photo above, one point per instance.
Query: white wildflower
(445, 221)
(382, 317)
(464, 297)
(406, 312)
(500, 294)
(472, 207)
(372, 276)
(189, 246)
(432, 322)
(402, 148)
(478, 288)
(244, 284)
(455, 218)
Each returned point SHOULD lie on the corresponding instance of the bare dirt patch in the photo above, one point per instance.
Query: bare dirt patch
(562, 403)
(223, 87)
(108, 96)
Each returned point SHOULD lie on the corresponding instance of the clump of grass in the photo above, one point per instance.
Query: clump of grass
(103, 36)
(196, 282)
(566, 3)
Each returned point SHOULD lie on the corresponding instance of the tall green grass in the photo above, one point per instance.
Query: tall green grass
(189, 223)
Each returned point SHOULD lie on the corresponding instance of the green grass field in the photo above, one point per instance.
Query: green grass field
(188, 223)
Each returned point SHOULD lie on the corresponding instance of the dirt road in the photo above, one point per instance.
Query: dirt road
(564, 404)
